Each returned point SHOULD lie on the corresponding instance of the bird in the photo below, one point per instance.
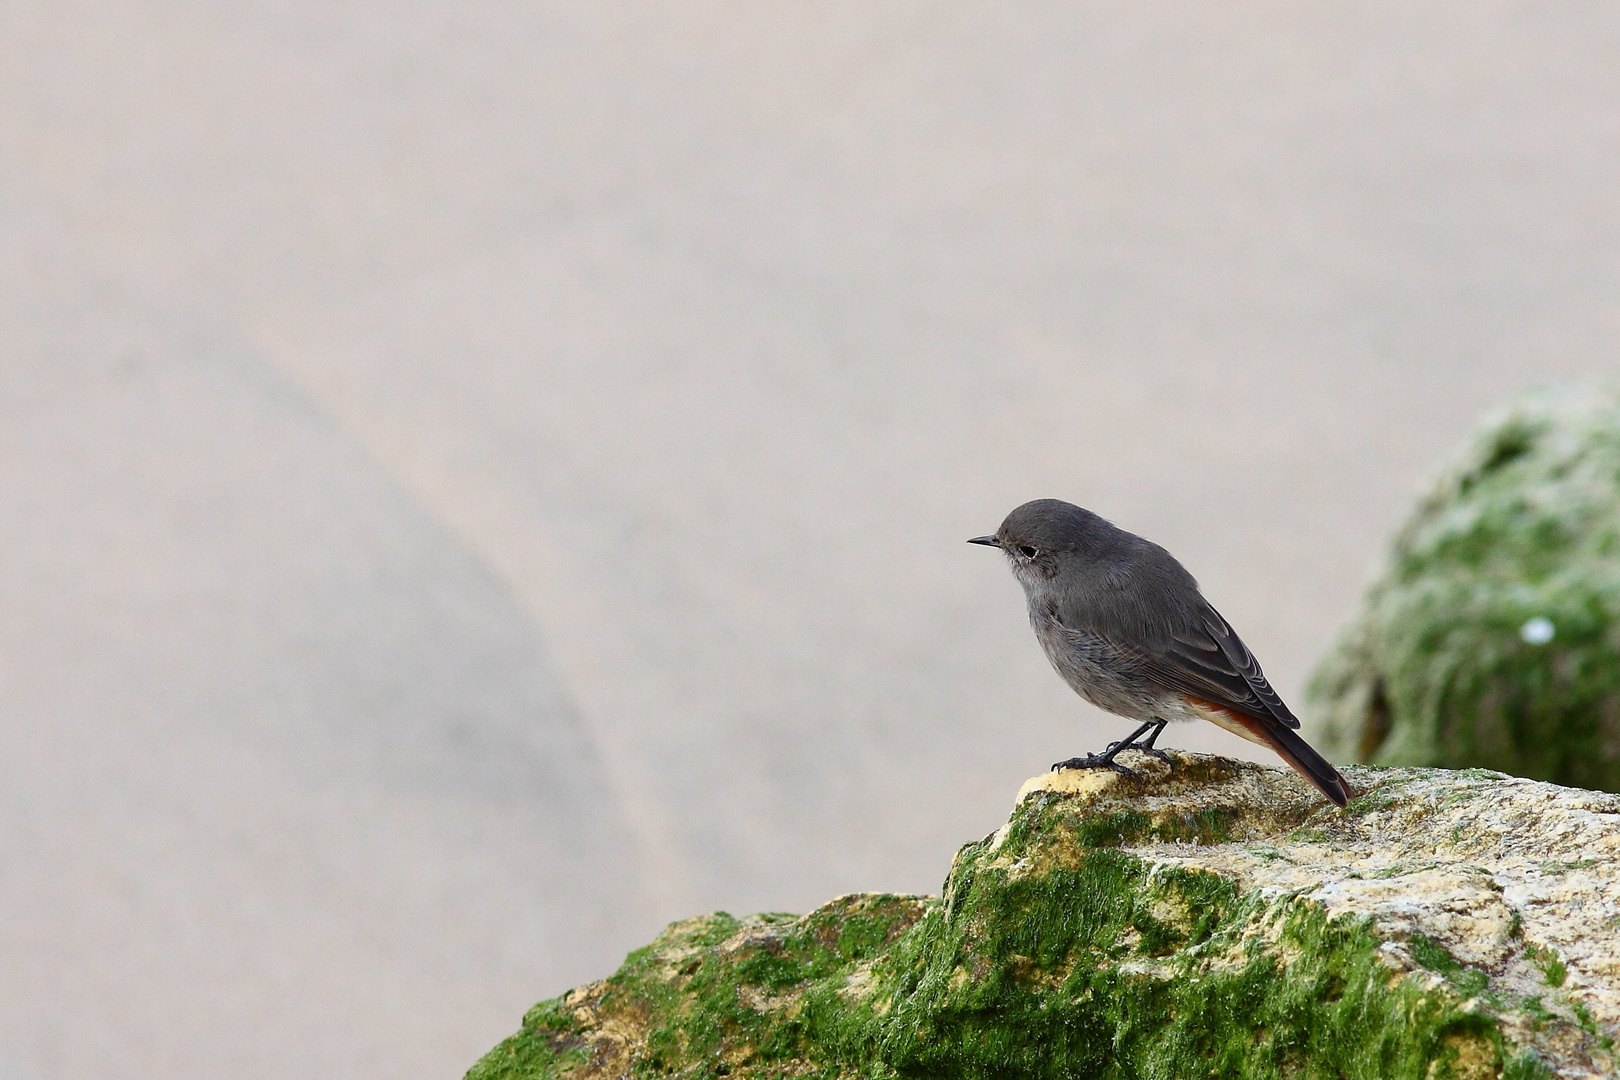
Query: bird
(1129, 630)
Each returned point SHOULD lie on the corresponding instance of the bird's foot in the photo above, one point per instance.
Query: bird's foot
(1146, 745)
(1104, 760)
(1122, 745)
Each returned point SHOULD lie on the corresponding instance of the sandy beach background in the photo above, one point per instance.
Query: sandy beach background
(479, 481)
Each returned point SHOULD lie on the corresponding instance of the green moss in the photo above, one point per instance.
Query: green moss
(549, 1044)
(1210, 825)
(1588, 1023)
(1443, 666)
(1526, 1065)
(1054, 951)
(1537, 1011)
(1114, 830)
(1369, 803)
(1552, 967)
(1227, 1003)
(1469, 981)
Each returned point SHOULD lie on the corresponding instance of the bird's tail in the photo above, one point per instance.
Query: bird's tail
(1307, 762)
(1289, 746)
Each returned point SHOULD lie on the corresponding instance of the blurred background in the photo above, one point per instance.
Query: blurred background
(480, 481)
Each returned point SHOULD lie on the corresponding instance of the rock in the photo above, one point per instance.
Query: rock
(1492, 637)
(1214, 919)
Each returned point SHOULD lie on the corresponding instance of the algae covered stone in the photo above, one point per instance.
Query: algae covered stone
(1214, 919)
(1492, 636)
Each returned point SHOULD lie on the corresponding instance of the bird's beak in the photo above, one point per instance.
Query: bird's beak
(987, 541)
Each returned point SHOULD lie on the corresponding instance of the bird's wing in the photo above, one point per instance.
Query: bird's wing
(1241, 660)
(1207, 660)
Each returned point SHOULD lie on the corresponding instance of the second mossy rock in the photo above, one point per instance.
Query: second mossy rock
(1492, 637)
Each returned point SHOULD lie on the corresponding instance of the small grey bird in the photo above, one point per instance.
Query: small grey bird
(1125, 625)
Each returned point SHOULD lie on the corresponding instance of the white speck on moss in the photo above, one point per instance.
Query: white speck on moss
(1538, 630)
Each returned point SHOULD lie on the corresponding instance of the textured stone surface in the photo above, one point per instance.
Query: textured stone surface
(1492, 637)
(1214, 919)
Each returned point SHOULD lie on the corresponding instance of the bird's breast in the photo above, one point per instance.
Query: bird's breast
(1096, 670)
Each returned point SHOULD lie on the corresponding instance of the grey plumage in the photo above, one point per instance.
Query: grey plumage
(1126, 626)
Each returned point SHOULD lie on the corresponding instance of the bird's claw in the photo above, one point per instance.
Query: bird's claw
(1095, 761)
(1115, 748)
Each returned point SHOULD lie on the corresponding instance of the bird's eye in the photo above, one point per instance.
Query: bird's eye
(1026, 551)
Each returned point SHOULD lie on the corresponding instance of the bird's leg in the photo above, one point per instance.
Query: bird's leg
(1149, 748)
(1105, 760)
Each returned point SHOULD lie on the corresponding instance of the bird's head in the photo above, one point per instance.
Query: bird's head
(1040, 536)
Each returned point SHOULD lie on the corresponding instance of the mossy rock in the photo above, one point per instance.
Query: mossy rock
(1492, 637)
(1214, 919)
